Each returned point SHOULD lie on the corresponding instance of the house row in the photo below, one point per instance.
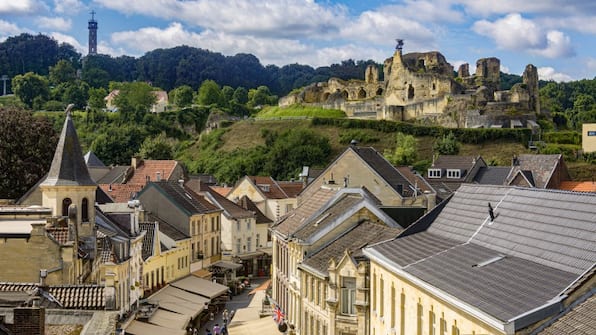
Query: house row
(502, 252)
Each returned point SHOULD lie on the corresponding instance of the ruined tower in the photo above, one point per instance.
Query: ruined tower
(92, 34)
(488, 73)
(371, 75)
(530, 79)
(463, 71)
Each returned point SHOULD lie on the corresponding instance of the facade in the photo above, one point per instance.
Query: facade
(589, 137)
(189, 213)
(492, 260)
(273, 198)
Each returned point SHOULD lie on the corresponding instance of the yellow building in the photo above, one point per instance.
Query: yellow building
(589, 137)
(492, 260)
(165, 255)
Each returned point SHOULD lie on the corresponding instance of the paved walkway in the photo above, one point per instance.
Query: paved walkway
(237, 302)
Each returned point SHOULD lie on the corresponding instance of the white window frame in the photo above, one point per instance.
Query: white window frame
(454, 173)
(434, 173)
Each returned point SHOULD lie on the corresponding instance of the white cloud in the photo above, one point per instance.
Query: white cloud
(549, 73)
(13, 7)
(425, 11)
(54, 23)
(63, 38)
(513, 32)
(591, 65)
(285, 19)
(382, 28)
(8, 29)
(553, 7)
(68, 6)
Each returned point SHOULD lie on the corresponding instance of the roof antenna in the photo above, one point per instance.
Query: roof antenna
(491, 212)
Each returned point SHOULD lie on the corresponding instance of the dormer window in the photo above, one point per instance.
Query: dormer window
(264, 187)
(453, 173)
(434, 173)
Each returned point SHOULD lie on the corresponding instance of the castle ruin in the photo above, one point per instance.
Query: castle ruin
(424, 87)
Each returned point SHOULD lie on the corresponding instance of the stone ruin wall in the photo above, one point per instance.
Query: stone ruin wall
(422, 86)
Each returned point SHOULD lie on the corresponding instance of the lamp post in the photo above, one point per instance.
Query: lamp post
(4, 79)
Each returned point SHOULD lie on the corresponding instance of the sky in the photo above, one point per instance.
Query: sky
(557, 36)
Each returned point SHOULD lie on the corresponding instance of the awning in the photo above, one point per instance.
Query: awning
(248, 321)
(142, 328)
(169, 319)
(267, 251)
(200, 286)
(179, 301)
(227, 265)
(250, 255)
(202, 273)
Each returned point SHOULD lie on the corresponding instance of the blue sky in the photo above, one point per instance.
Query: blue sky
(559, 37)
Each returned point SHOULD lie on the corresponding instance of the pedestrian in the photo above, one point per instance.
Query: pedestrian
(207, 331)
(225, 315)
(224, 329)
(216, 329)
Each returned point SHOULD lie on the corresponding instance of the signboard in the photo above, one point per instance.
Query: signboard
(591, 132)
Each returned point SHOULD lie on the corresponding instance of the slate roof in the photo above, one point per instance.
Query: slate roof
(492, 175)
(168, 229)
(230, 208)
(116, 175)
(328, 216)
(307, 208)
(581, 320)
(387, 171)
(541, 167)
(415, 179)
(249, 205)
(148, 239)
(352, 240)
(540, 242)
(186, 198)
(92, 161)
(68, 166)
(464, 163)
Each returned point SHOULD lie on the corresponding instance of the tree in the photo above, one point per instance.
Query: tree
(29, 86)
(447, 145)
(240, 95)
(261, 96)
(96, 98)
(76, 93)
(182, 96)
(134, 99)
(209, 94)
(62, 72)
(405, 152)
(157, 148)
(27, 144)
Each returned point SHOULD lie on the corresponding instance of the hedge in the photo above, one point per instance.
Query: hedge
(464, 135)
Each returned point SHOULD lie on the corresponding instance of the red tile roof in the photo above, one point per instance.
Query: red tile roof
(148, 169)
(578, 186)
(291, 188)
(224, 191)
(121, 192)
(60, 234)
(275, 190)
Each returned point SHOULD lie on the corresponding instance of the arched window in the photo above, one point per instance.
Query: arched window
(65, 203)
(85, 210)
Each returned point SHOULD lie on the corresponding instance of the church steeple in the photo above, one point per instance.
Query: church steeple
(68, 182)
(68, 166)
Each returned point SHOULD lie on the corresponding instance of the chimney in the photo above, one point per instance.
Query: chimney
(158, 176)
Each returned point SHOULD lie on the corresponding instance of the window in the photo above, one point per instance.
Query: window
(312, 289)
(348, 295)
(419, 318)
(248, 224)
(212, 246)
(238, 243)
(218, 224)
(289, 207)
(374, 293)
(454, 329)
(212, 224)
(65, 203)
(381, 297)
(392, 305)
(206, 246)
(238, 225)
(431, 321)
(442, 325)
(248, 244)
(258, 242)
(402, 313)
(85, 210)
(453, 173)
(434, 173)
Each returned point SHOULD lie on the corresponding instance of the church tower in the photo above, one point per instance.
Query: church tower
(92, 34)
(68, 182)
